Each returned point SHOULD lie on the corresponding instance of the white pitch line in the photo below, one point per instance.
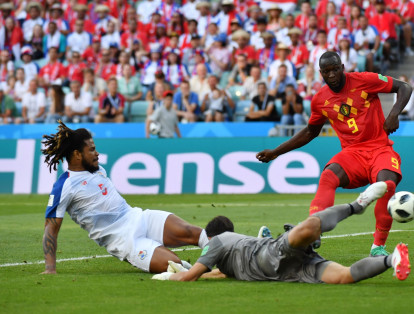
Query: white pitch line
(178, 250)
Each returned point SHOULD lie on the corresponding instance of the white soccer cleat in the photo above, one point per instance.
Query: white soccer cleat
(400, 262)
(371, 194)
(175, 267)
(264, 232)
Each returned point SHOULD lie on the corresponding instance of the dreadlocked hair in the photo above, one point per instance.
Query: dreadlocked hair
(62, 144)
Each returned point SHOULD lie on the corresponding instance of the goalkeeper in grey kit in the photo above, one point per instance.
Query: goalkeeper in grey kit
(290, 257)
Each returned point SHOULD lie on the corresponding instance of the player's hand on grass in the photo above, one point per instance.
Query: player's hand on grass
(175, 267)
(391, 124)
(163, 276)
(266, 155)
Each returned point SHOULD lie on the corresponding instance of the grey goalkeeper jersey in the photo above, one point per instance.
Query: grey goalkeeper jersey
(253, 259)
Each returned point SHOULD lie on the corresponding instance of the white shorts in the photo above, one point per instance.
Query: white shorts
(148, 236)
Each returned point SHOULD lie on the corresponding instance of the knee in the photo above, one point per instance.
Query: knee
(310, 229)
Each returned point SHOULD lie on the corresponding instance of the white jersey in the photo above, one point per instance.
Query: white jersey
(92, 201)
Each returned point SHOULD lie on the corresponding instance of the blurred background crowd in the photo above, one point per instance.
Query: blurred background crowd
(189, 61)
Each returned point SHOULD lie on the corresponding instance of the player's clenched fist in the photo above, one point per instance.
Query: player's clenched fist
(266, 155)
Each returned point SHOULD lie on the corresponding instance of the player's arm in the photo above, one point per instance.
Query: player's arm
(52, 227)
(192, 274)
(214, 274)
(300, 139)
(403, 91)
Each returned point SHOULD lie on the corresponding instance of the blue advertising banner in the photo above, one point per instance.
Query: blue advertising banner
(202, 166)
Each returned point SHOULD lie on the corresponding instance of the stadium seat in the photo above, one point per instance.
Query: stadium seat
(307, 107)
(41, 62)
(95, 106)
(278, 107)
(66, 89)
(224, 79)
(242, 108)
(137, 111)
(361, 63)
(236, 91)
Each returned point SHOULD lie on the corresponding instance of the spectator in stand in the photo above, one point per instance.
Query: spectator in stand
(9, 86)
(6, 9)
(292, 110)
(234, 27)
(166, 117)
(282, 51)
(185, 38)
(161, 37)
(21, 86)
(111, 37)
(240, 71)
(150, 28)
(82, 15)
(31, 69)
(309, 35)
(78, 105)
(56, 100)
(263, 106)
(56, 16)
(190, 10)
(302, 20)
(219, 55)
(96, 86)
(189, 54)
(353, 21)
(242, 38)
(216, 102)
(385, 22)
(34, 10)
(174, 71)
(167, 9)
(257, 37)
(329, 20)
(309, 85)
(349, 56)
(299, 54)
(226, 15)
(6, 66)
(282, 34)
(176, 24)
(111, 104)
(129, 85)
(210, 34)
(250, 24)
(80, 39)
(278, 85)
(75, 68)
(54, 39)
(266, 55)
(133, 33)
(7, 108)
(405, 10)
(36, 43)
(205, 17)
(150, 66)
(124, 59)
(367, 42)
(53, 70)
(186, 103)
(101, 25)
(252, 82)
(345, 9)
(199, 82)
(159, 79)
(318, 50)
(275, 21)
(11, 37)
(145, 9)
(92, 55)
(408, 111)
(105, 68)
(337, 32)
(33, 105)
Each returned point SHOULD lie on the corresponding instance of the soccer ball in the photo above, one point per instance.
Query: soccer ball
(401, 206)
(154, 128)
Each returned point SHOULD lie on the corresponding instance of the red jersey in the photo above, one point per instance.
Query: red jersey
(106, 71)
(302, 21)
(91, 57)
(75, 71)
(52, 71)
(299, 55)
(355, 112)
(385, 24)
(249, 51)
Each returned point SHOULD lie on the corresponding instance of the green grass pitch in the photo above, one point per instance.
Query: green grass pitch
(106, 285)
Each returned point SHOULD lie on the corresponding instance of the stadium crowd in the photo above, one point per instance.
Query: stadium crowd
(84, 61)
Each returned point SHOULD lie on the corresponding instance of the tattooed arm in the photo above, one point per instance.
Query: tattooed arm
(52, 226)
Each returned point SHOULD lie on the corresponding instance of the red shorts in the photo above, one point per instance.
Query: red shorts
(362, 166)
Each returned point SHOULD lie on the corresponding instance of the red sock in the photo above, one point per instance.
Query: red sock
(383, 218)
(325, 195)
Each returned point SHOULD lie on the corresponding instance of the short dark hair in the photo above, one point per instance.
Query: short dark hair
(330, 55)
(218, 225)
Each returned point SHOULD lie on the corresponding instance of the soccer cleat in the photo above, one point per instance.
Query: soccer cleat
(372, 193)
(288, 227)
(379, 251)
(264, 232)
(400, 262)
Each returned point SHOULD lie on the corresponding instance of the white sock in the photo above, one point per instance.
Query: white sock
(373, 246)
(203, 240)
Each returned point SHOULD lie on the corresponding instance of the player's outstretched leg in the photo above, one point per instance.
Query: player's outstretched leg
(178, 232)
(325, 195)
(369, 267)
(383, 221)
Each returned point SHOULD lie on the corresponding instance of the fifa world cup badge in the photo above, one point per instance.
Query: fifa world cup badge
(345, 110)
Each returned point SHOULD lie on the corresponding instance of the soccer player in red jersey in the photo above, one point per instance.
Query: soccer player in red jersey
(350, 102)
